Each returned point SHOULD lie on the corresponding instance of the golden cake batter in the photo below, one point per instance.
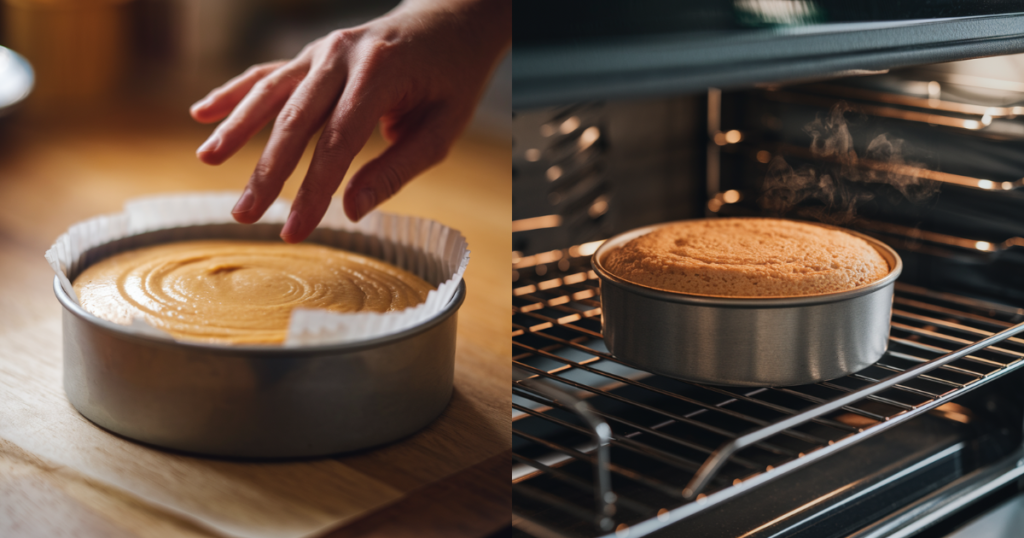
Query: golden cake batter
(748, 257)
(240, 292)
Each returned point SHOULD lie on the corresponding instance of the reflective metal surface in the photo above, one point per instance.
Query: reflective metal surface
(745, 342)
(684, 452)
(258, 401)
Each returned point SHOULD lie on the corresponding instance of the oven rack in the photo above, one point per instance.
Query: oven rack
(982, 121)
(600, 448)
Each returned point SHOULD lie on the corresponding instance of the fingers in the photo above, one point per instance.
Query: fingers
(346, 132)
(299, 118)
(222, 100)
(263, 101)
(418, 148)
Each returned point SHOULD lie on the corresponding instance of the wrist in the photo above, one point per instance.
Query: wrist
(488, 23)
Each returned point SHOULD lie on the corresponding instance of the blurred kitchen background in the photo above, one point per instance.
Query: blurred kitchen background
(107, 120)
(91, 55)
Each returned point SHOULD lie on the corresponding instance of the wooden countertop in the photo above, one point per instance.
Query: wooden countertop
(449, 480)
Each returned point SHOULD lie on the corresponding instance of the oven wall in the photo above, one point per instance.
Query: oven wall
(588, 171)
(647, 165)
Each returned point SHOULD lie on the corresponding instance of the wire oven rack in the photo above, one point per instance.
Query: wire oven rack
(600, 448)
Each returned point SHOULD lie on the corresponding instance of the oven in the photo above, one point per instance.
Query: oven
(876, 119)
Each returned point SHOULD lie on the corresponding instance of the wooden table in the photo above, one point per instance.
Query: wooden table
(449, 480)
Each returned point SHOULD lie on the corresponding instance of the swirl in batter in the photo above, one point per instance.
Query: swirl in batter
(240, 292)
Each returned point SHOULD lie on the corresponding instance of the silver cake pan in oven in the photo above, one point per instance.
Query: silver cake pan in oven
(768, 341)
(254, 401)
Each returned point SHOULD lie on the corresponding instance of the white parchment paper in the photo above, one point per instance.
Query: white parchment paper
(424, 247)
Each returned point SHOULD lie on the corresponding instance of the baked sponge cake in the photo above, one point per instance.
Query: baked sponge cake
(748, 257)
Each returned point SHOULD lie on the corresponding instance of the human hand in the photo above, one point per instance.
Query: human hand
(419, 71)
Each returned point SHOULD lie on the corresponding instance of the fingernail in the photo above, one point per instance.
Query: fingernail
(365, 201)
(245, 203)
(200, 103)
(290, 226)
(211, 144)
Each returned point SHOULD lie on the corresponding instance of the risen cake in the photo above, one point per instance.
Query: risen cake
(748, 257)
(240, 292)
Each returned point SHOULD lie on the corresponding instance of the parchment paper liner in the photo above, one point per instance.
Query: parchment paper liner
(424, 247)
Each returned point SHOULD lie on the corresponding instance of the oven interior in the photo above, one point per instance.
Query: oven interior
(927, 159)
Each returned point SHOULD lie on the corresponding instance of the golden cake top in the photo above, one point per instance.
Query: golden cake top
(748, 257)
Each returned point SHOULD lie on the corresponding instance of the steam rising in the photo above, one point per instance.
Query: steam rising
(840, 182)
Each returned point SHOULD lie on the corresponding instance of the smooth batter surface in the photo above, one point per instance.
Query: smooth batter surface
(750, 257)
(240, 292)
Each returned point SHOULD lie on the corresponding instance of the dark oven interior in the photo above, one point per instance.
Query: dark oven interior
(927, 159)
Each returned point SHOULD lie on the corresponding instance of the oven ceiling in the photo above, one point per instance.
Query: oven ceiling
(598, 57)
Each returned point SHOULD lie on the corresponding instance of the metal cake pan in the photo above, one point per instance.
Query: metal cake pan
(254, 401)
(770, 341)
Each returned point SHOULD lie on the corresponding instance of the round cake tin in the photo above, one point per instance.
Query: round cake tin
(254, 401)
(746, 341)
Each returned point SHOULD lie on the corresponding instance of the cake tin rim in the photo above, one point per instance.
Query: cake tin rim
(895, 269)
(342, 347)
